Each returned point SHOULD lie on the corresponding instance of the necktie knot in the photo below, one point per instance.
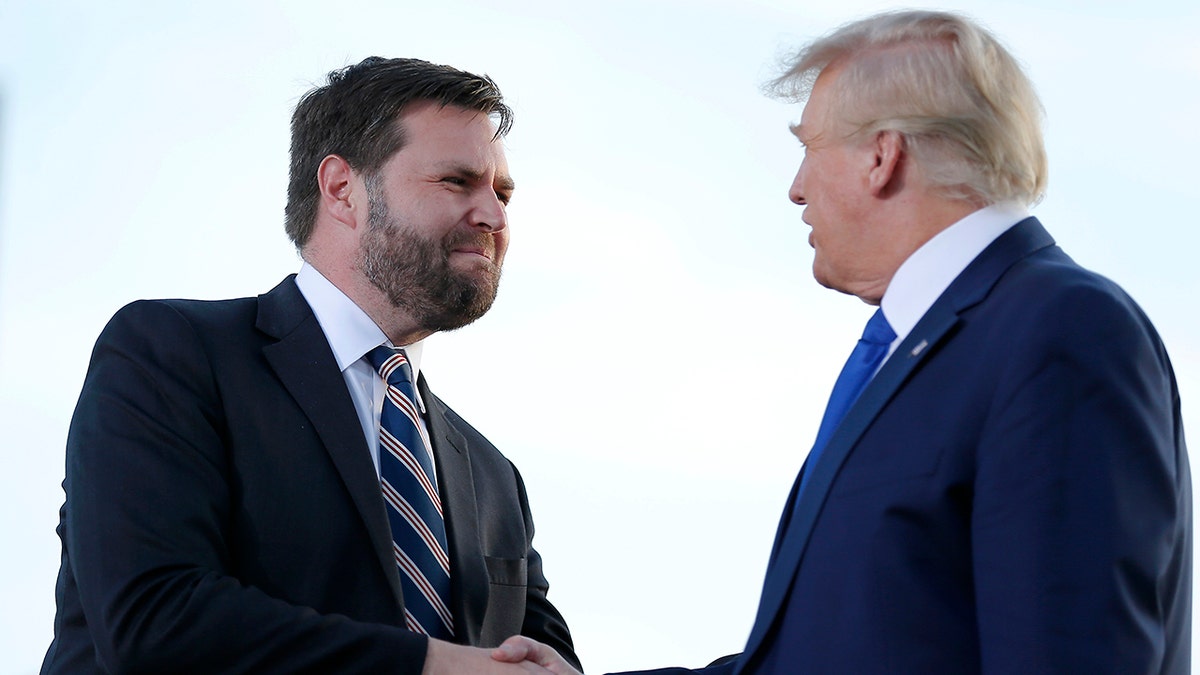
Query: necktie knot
(391, 364)
(878, 331)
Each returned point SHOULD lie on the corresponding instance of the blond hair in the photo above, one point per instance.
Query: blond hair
(966, 110)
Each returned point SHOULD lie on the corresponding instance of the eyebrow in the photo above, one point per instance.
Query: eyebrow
(505, 182)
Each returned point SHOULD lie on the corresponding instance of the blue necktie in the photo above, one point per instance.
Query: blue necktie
(413, 505)
(857, 372)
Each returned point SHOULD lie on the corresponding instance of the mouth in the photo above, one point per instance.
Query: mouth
(811, 229)
(478, 251)
(475, 247)
(474, 258)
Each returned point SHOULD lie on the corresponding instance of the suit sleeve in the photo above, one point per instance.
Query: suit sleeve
(719, 668)
(149, 489)
(1082, 511)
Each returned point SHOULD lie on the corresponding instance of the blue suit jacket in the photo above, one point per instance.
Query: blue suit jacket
(1010, 494)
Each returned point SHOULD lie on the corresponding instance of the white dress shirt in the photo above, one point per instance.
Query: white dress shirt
(351, 335)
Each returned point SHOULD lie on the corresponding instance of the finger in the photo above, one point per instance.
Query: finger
(513, 650)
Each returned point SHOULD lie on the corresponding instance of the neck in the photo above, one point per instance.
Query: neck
(914, 220)
(399, 327)
(926, 217)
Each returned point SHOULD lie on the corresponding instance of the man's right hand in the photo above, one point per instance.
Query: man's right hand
(444, 658)
(522, 650)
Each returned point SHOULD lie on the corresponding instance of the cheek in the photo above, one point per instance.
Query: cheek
(816, 184)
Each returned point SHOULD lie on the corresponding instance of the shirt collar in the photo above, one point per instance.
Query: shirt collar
(928, 272)
(350, 331)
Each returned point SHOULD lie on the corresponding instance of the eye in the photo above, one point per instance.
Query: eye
(454, 180)
(504, 197)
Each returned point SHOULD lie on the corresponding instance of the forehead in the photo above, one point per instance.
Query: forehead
(434, 133)
(816, 116)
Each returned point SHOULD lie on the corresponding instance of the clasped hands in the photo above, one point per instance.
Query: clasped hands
(518, 654)
(522, 650)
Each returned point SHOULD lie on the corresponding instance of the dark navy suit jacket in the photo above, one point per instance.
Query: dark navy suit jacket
(1010, 494)
(223, 514)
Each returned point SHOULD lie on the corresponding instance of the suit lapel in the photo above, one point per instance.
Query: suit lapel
(305, 365)
(792, 538)
(468, 572)
(936, 326)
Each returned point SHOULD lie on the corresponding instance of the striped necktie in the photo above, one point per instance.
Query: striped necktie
(413, 505)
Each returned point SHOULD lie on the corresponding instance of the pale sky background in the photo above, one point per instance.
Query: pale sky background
(658, 277)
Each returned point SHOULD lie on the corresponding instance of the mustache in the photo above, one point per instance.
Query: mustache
(480, 240)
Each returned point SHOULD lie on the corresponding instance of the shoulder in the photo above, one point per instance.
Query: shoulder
(175, 319)
(176, 338)
(1056, 295)
(1048, 314)
(173, 312)
(282, 303)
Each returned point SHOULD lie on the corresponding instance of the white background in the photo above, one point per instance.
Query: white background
(658, 277)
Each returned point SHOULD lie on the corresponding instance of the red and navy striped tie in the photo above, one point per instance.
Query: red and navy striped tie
(414, 508)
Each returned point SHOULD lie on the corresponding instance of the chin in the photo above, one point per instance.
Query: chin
(831, 284)
(821, 277)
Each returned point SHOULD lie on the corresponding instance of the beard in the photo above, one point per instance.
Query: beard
(414, 272)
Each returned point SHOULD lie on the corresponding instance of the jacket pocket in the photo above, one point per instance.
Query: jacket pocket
(507, 571)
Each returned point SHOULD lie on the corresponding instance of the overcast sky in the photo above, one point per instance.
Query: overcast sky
(657, 274)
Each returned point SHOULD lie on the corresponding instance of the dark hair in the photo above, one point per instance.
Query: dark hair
(356, 116)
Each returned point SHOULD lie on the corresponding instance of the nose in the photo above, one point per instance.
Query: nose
(796, 192)
(489, 213)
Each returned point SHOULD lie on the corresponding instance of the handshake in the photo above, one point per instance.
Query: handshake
(518, 654)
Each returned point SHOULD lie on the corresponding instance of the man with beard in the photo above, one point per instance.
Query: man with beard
(267, 484)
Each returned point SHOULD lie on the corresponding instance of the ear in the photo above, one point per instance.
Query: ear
(339, 187)
(884, 176)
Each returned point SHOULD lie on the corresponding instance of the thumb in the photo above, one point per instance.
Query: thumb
(513, 650)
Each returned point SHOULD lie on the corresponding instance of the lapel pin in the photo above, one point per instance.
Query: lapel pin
(919, 348)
